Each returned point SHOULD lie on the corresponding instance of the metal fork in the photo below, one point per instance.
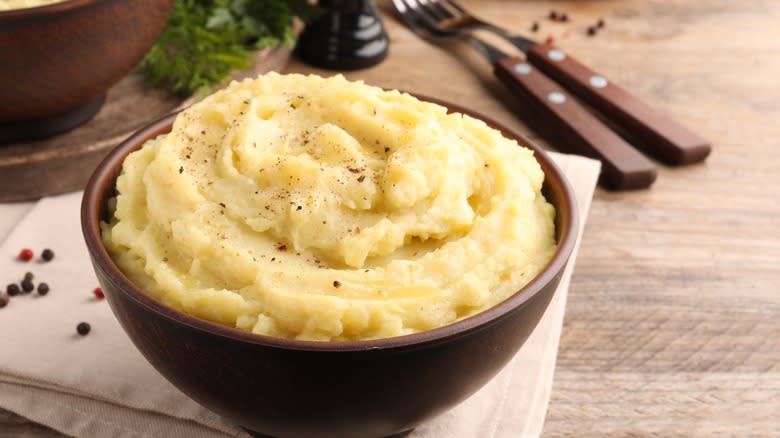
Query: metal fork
(656, 133)
(623, 167)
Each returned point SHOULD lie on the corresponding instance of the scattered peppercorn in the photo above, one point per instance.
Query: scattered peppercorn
(553, 15)
(12, 289)
(181, 169)
(600, 23)
(43, 289)
(83, 328)
(98, 292)
(361, 178)
(47, 255)
(336, 283)
(564, 17)
(4, 300)
(591, 31)
(25, 255)
(299, 208)
(27, 286)
(29, 276)
(550, 39)
(535, 26)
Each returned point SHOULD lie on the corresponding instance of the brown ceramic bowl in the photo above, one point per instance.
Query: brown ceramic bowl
(301, 389)
(57, 61)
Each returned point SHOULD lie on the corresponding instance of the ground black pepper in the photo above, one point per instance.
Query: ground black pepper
(336, 284)
(12, 289)
(83, 328)
(43, 289)
(47, 255)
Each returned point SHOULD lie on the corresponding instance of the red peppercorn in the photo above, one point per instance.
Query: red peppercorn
(550, 39)
(99, 293)
(25, 255)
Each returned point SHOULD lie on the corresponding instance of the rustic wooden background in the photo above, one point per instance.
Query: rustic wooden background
(673, 321)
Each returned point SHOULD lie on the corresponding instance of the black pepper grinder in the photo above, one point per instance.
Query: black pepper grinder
(348, 36)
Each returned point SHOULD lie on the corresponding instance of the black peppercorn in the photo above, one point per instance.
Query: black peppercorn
(12, 289)
(27, 286)
(43, 289)
(4, 299)
(47, 255)
(591, 31)
(534, 28)
(83, 328)
(29, 276)
(564, 17)
(600, 23)
(553, 15)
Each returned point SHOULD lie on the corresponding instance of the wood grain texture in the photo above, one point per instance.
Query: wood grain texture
(673, 316)
(656, 133)
(622, 166)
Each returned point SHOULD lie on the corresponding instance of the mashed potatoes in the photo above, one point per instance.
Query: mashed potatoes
(311, 208)
(7, 5)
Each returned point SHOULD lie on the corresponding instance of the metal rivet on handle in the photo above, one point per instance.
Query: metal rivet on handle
(556, 55)
(556, 97)
(598, 81)
(522, 68)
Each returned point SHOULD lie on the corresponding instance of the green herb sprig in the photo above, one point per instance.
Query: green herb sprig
(205, 40)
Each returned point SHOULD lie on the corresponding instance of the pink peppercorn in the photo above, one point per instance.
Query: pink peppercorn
(25, 255)
(99, 293)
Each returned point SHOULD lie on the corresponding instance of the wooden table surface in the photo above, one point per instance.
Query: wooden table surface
(673, 321)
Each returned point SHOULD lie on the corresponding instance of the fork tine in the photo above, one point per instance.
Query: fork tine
(456, 6)
(436, 9)
(423, 17)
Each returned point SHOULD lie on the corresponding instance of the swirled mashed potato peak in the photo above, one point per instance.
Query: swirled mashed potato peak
(323, 209)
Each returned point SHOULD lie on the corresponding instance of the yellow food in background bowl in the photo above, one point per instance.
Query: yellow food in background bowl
(322, 209)
(7, 5)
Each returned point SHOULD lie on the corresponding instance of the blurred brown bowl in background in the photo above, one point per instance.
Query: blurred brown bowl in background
(57, 61)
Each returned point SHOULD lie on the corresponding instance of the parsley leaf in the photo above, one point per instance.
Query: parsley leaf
(205, 40)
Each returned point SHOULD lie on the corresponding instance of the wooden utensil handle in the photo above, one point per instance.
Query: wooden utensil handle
(656, 134)
(623, 167)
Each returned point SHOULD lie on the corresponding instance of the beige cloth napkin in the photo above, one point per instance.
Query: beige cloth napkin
(101, 386)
